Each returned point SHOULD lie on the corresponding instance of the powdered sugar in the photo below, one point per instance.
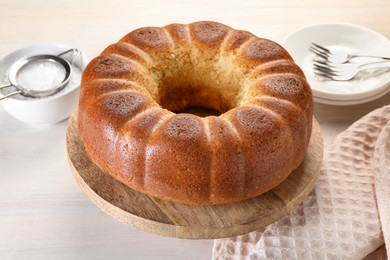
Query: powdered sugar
(41, 75)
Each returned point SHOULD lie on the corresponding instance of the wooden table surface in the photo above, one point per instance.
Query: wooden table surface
(43, 213)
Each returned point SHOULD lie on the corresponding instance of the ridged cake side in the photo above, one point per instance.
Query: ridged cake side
(128, 129)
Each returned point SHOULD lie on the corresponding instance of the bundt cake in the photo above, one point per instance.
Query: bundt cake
(130, 124)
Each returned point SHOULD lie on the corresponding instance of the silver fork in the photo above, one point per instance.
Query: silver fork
(338, 56)
(345, 71)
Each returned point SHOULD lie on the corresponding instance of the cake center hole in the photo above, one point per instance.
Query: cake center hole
(198, 85)
(200, 111)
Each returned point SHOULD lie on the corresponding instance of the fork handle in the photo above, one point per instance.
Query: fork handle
(375, 65)
(362, 55)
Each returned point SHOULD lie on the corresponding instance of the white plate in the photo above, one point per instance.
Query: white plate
(340, 36)
(350, 102)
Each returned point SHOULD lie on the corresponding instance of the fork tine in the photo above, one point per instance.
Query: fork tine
(327, 64)
(318, 53)
(322, 62)
(325, 70)
(317, 50)
(321, 47)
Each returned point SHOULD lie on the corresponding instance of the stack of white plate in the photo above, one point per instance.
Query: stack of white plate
(353, 38)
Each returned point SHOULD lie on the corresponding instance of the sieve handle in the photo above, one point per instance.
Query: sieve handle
(67, 51)
(10, 94)
(77, 51)
(6, 86)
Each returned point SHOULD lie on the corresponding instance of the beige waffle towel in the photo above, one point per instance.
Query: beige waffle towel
(346, 216)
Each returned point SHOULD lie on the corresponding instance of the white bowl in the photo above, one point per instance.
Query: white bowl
(347, 37)
(47, 110)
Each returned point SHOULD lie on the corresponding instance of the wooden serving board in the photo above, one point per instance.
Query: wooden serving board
(186, 221)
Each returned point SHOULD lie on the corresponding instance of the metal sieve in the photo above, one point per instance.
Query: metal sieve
(24, 63)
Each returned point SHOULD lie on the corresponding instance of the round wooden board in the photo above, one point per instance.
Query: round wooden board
(187, 221)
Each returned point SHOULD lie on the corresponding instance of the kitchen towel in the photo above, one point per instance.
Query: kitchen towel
(346, 216)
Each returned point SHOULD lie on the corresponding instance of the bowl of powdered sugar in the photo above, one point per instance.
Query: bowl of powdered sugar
(40, 75)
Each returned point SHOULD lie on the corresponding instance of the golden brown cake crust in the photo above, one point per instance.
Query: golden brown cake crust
(130, 93)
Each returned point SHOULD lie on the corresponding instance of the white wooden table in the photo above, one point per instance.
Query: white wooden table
(43, 213)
